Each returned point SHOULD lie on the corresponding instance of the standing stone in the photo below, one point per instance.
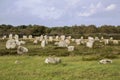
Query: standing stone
(102, 38)
(45, 37)
(72, 39)
(17, 42)
(89, 44)
(81, 38)
(11, 44)
(35, 41)
(43, 43)
(50, 38)
(10, 36)
(24, 37)
(115, 42)
(67, 41)
(62, 44)
(70, 48)
(111, 38)
(22, 50)
(22, 42)
(106, 41)
(62, 37)
(97, 39)
(69, 37)
(16, 37)
(30, 37)
(41, 38)
(77, 41)
(57, 38)
(4, 37)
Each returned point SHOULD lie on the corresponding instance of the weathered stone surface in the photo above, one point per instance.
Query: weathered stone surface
(52, 60)
(105, 61)
(71, 48)
(62, 44)
(11, 44)
(22, 50)
(43, 43)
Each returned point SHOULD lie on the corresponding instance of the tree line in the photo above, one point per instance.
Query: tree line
(75, 30)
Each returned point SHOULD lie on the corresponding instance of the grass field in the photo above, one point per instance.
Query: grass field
(81, 64)
(71, 68)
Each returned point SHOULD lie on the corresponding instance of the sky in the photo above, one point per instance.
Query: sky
(53, 13)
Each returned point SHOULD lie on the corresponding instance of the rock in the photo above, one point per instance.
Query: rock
(18, 62)
(4, 37)
(10, 36)
(77, 41)
(105, 61)
(16, 37)
(22, 42)
(52, 60)
(106, 41)
(62, 37)
(97, 39)
(41, 38)
(22, 50)
(11, 44)
(43, 43)
(17, 42)
(35, 41)
(62, 44)
(89, 44)
(50, 38)
(67, 41)
(30, 37)
(115, 42)
(71, 48)
(56, 38)
(25, 37)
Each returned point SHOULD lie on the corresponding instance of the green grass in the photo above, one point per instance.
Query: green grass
(81, 64)
(71, 68)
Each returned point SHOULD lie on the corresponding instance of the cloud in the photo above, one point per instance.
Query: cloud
(90, 10)
(94, 9)
(110, 7)
(38, 8)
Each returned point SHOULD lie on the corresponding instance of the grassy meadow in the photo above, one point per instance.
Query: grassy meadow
(81, 64)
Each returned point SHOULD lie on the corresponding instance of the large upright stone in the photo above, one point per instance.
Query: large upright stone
(71, 48)
(77, 41)
(50, 38)
(62, 43)
(35, 41)
(30, 37)
(62, 37)
(56, 38)
(67, 41)
(16, 37)
(10, 36)
(89, 44)
(25, 37)
(11, 44)
(115, 42)
(106, 41)
(43, 43)
(41, 38)
(4, 37)
(97, 39)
